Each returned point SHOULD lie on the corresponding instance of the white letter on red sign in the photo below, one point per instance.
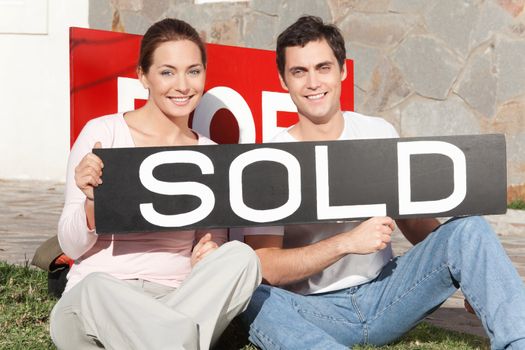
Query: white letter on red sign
(176, 188)
(129, 90)
(224, 97)
(294, 187)
(273, 102)
(404, 151)
(324, 210)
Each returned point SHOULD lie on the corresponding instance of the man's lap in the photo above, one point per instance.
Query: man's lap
(407, 289)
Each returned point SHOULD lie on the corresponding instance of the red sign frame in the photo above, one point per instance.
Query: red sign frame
(99, 58)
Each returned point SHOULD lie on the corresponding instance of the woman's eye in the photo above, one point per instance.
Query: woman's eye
(195, 72)
(166, 73)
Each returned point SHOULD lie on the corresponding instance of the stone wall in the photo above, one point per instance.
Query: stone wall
(430, 67)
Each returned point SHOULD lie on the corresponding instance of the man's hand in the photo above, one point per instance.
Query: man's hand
(369, 237)
(204, 247)
(468, 307)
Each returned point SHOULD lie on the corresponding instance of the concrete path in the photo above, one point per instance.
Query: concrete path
(29, 212)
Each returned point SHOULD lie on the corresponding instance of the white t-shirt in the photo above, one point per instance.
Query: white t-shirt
(353, 269)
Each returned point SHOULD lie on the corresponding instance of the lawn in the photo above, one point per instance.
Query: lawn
(25, 307)
(517, 204)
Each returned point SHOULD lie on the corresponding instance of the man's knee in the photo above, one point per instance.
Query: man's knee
(468, 230)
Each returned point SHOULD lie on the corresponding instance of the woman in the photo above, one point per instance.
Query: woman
(156, 290)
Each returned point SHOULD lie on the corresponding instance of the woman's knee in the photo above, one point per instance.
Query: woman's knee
(243, 256)
(66, 329)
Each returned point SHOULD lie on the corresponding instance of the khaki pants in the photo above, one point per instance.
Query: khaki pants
(102, 311)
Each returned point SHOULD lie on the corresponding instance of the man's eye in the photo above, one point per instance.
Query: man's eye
(325, 69)
(298, 73)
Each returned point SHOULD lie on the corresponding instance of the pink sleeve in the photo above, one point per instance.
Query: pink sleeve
(73, 234)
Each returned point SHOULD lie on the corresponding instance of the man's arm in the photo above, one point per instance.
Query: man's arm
(416, 230)
(284, 266)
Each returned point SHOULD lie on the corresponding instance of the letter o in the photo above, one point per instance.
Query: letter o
(294, 188)
(224, 97)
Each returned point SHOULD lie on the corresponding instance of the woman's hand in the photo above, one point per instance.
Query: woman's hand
(88, 173)
(204, 247)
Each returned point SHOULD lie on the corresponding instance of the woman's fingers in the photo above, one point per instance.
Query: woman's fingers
(202, 241)
(203, 248)
(88, 172)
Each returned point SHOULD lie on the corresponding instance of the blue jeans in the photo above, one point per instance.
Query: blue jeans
(461, 253)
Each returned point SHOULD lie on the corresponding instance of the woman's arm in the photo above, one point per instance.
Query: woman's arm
(76, 227)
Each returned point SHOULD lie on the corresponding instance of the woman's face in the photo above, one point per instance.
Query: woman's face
(176, 78)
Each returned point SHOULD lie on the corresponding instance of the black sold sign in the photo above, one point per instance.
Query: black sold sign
(174, 188)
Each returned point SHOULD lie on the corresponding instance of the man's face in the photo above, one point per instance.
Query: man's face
(313, 78)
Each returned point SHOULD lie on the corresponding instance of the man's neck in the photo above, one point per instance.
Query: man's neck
(306, 130)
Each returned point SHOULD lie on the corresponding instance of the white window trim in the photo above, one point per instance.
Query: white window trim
(23, 16)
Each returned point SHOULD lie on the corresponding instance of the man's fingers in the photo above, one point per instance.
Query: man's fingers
(387, 220)
(469, 307)
(384, 229)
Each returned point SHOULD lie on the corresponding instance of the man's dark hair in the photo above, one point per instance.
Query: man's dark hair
(307, 29)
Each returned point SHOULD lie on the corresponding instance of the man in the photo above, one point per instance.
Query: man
(339, 284)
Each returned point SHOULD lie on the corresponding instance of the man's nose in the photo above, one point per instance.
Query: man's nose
(313, 81)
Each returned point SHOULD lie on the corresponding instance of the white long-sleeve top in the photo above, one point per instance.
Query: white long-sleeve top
(161, 257)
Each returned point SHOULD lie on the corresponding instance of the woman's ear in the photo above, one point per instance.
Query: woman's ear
(142, 77)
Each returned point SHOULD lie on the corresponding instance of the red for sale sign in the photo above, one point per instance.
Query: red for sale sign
(243, 101)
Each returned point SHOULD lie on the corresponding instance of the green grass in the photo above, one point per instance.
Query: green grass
(428, 337)
(517, 204)
(424, 337)
(25, 307)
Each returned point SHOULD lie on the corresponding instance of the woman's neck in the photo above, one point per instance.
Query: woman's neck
(150, 127)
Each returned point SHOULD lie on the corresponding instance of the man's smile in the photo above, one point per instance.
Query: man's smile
(316, 96)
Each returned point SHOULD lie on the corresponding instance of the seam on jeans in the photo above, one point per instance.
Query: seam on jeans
(262, 335)
(426, 277)
(361, 317)
(324, 317)
(319, 315)
(356, 307)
